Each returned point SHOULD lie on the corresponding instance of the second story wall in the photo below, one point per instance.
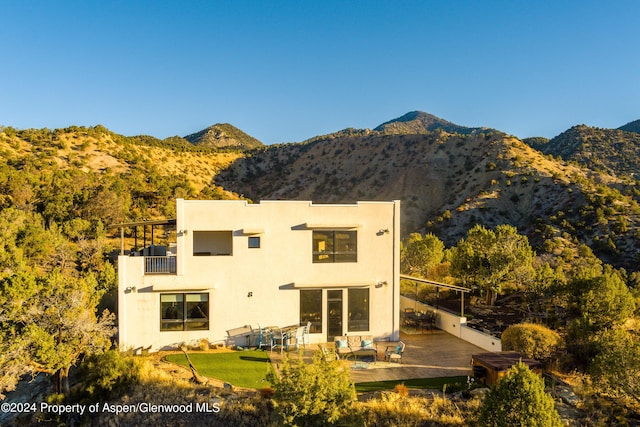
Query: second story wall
(286, 242)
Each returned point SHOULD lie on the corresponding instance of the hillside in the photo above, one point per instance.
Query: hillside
(94, 174)
(449, 182)
(613, 151)
(633, 126)
(224, 135)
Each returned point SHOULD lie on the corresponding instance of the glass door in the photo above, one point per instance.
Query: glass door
(334, 314)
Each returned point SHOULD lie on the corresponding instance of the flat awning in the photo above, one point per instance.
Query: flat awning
(330, 285)
(252, 231)
(328, 226)
(156, 287)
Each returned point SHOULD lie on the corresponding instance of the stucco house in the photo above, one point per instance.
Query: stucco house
(273, 263)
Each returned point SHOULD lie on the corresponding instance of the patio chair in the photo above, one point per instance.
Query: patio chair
(264, 338)
(300, 331)
(394, 353)
(279, 338)
(307, 330)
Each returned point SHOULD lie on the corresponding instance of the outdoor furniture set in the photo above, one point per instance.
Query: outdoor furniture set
(418, 319)
(363, 347)
(271, 337)
(346, 346)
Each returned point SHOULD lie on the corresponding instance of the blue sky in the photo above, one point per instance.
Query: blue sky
(285, 71)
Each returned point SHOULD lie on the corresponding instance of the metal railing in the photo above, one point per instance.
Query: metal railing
(160, 265)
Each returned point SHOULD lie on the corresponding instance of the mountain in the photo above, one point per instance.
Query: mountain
(577, 188)
(631, 127)
(450, 181)
(224, 135)
(418, 122)
(613, 151)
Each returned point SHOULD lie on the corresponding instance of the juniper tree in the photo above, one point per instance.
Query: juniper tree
(519, 400)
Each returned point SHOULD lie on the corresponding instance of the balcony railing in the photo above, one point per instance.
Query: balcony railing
(160, 265)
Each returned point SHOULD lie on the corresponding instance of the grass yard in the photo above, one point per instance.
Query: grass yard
(240, 368)
(423, 383)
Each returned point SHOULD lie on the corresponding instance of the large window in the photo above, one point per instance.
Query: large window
(358, 310)
(184, 312)
(311, 309)
(335, 246)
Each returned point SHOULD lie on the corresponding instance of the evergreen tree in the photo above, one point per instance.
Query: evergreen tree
(315, 394)
(519, 400)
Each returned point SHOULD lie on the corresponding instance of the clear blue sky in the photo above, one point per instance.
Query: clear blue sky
(285, 71)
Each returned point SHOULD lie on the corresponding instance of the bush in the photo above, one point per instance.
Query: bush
(519, 399)
(318, 393)
(535, 341)
(106, 374)
(401, 389)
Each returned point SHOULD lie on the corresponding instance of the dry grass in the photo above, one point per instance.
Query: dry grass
(393, 409)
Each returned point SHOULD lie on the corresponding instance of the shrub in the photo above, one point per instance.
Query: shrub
(535, 341)
(401, 390)
(107, 374)
(519, 399)
(318, 393)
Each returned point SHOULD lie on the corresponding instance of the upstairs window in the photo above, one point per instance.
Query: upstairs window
(335, 246)
(254, 242)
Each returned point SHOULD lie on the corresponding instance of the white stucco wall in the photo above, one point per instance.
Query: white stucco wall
(273, 273)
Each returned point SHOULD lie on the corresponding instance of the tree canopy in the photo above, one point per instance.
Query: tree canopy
(419, 254)
(492, 259)
(47, 323)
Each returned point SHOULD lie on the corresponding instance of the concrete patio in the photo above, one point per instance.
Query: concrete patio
(431, 354)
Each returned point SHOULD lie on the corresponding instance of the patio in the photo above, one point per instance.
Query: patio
(432, 354)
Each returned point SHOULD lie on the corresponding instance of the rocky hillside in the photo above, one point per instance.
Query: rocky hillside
(449, 177)
(449, 182)
(613, 151)
(224, 135)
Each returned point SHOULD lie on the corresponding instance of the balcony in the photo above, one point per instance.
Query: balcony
(160, 264)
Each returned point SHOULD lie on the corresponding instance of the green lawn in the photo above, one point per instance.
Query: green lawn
(430, 383)
(240, 368)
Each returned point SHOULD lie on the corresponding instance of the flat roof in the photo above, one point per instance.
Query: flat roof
(504, 360)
